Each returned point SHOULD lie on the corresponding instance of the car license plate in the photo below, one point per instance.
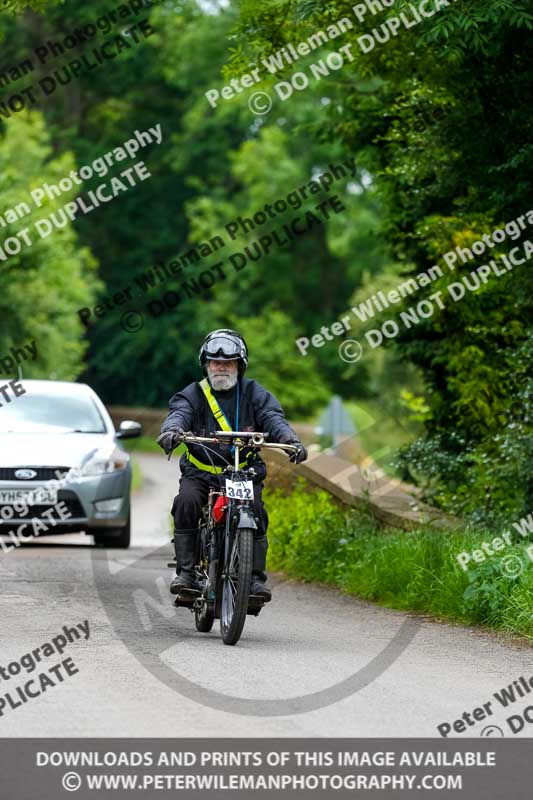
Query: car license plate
(29, 497)
(240, 490)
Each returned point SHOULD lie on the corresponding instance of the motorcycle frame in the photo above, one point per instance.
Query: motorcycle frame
(239, 514)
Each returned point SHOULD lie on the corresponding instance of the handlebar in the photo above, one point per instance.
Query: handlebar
(248, 439)
(255, 440)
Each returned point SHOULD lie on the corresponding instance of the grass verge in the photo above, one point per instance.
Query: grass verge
(136, 477)
(144, 444)
(312, 538)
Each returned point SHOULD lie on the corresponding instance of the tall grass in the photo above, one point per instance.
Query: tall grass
(312, 538)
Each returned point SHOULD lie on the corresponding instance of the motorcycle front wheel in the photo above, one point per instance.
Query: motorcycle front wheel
(236, 586)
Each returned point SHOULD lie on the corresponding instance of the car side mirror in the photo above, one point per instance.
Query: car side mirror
(129, 429)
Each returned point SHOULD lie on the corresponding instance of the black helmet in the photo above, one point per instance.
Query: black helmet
(224, 344)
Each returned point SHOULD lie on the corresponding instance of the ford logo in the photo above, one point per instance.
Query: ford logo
(25, 474)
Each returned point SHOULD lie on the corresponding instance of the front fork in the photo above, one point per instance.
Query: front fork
(214, 555)
(241, 514)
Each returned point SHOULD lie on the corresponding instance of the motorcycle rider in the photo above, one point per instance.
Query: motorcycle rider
(224, 399)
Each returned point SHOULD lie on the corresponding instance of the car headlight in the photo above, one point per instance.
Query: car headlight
(98, 463)
(97, 467)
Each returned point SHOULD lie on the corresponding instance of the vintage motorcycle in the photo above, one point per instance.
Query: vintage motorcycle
(225, 542)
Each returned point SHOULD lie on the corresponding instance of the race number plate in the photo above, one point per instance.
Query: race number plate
(240, 490)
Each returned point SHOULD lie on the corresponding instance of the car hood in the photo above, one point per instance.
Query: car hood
(51, 449)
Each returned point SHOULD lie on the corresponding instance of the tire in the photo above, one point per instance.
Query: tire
(204, 619)
(236, 588)
(115, 537)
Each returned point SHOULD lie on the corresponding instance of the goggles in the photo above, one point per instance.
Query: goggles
(222, 347)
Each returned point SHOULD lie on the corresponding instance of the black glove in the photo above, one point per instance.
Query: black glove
(170, 439)
(299, 455)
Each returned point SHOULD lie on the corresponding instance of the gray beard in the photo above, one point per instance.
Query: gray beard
(222, 383)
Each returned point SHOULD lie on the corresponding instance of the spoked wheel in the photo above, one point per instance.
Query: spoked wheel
(204, 614)
(236, 587)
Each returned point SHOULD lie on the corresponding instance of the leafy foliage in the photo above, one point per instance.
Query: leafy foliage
(439, 122)
(313, 538)
(446, 134)
(42, 286)
(295, 382)
(213, 166)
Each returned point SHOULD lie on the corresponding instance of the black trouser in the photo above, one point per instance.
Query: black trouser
(187, 510)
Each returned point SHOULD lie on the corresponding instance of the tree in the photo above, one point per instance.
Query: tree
(212, 166)
(41, 286)
(442, 184)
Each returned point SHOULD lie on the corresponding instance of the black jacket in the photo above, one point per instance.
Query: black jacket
(258, 411)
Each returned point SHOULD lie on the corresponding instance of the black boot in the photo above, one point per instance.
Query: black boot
(185, 547)
(259, 579)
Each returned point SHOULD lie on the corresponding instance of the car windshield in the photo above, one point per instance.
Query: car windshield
(38, 412)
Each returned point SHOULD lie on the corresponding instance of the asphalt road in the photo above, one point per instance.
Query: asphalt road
(314, 663)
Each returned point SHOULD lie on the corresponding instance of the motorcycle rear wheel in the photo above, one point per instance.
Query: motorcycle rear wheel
(204, 618)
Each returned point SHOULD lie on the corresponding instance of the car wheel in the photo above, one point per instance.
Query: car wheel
(115, 537)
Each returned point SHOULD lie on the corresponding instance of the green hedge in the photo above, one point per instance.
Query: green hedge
(312, 538)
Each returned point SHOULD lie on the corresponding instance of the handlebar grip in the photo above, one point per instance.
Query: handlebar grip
(177, 436)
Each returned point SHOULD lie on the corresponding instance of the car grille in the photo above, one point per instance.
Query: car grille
(69, 499)
(43, 473)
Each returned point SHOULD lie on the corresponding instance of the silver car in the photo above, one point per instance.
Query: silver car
(62, 468)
